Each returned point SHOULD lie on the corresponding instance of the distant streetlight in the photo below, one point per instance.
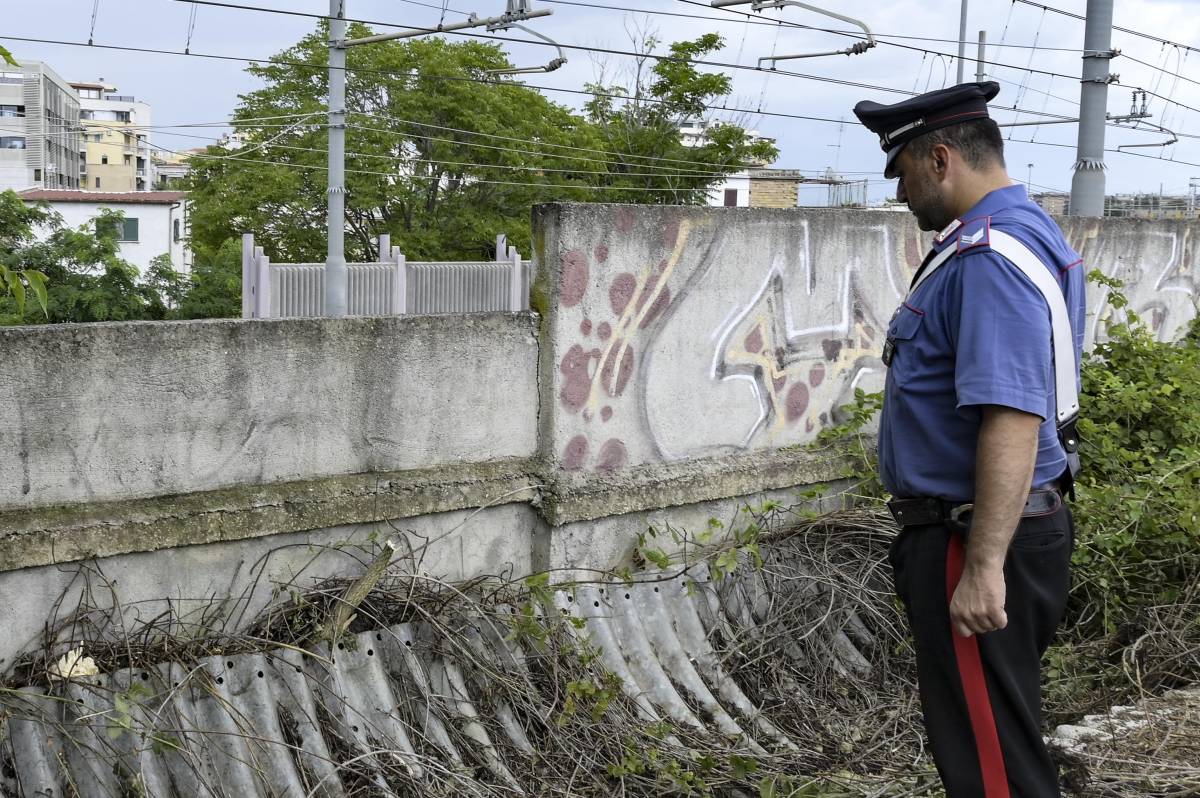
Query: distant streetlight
(1029, 177)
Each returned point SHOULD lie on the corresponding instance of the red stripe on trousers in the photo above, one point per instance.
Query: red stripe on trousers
(979, 704)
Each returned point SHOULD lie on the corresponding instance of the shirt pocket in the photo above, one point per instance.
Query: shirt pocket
(900, 347)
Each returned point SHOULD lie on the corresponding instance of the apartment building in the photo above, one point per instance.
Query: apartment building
(40, 138)
(115, 129)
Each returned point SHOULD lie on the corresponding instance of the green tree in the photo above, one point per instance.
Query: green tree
(442, 155)
(642, 129)
(17, 224)
(88, 279)
(410, 172)
(215, 288)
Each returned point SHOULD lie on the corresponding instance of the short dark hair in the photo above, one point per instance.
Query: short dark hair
(977, 140)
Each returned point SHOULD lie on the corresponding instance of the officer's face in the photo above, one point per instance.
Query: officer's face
(922, 191)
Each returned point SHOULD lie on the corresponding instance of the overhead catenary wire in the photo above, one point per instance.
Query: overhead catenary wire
(1130, 31)
(615, 51)
(362, 70)
(427, 76)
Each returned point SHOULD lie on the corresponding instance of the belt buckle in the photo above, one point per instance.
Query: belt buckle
(956, 513)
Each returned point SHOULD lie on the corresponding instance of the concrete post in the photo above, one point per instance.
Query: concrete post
(399, 283)
(962, 41)
(385, 247)
(335, 259)
(980, 69)
(1087, 185)
(248, 275)
(516, 300)
(262, 292)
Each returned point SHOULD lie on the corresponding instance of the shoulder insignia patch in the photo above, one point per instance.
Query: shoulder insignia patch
(975, 233)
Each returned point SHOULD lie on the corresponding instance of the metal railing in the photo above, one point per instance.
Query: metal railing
(392, 286)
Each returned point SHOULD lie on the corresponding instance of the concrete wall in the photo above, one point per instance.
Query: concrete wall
(680, 360)
(677, 333)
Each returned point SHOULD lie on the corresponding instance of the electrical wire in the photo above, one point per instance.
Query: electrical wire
(614, 51)
(424, 75)
(95, 12)
(1131, 32)
(751, 19)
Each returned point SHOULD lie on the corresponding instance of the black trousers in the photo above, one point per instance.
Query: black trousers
(981, 695)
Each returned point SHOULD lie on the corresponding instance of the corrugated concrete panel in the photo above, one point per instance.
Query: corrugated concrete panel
(381, 710)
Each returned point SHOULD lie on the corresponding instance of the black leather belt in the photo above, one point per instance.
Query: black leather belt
(923, 511)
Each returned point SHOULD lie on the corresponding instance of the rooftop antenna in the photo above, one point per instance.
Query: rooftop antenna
(758, 6)
(519, 9)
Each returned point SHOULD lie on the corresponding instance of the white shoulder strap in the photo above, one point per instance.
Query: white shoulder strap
(1031, 266)
(1065, 391)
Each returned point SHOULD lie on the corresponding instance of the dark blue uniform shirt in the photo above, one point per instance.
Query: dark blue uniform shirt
(977, 332)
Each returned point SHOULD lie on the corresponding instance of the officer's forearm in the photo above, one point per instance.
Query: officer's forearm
(1004, 464)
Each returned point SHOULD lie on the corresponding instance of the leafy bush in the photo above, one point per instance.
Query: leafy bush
(1138, 496)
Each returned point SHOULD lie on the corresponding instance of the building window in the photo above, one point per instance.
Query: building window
(126, 229)
(12, 142)
(37, 175)
(12, 110)
(177, 236)
(89, 94)
(731, 198)
(104, 159)
(96, 137)
(12, 77)
(97, 182)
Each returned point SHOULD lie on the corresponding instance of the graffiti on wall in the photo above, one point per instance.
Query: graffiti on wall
(712, 342)
(686, 333)
(800, 367)
(1159, 265)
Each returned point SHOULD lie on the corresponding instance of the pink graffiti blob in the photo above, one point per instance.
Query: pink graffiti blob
(754, 341)
(576, 369)
(604, 331)
(613, 456)
(614, 378)
(605, 413)
(601, 253)
(797, 402)
(621, 292)
(574, 453)
(816, 375)
(574, 278)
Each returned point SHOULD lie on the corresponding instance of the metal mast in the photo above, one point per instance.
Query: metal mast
(1087, 186)
(335, 256)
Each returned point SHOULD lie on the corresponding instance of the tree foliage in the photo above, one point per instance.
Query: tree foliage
(443, 156)
(88, 281)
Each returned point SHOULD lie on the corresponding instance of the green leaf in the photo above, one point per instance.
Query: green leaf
(37, 282)
(7, 57)
(17, 289)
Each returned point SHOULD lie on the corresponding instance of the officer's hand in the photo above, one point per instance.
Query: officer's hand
(978, 603)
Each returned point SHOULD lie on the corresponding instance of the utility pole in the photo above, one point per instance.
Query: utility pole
(335, 222)
(335, 257)
(1087, 185)
(962, 41)
(980, 71)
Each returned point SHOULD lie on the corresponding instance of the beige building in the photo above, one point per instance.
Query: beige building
(116, 135)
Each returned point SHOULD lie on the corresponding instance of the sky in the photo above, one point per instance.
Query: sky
(192, 89)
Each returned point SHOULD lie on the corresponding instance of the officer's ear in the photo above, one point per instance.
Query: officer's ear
(939, 155)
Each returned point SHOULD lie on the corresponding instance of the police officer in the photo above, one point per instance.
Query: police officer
(976, 439)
